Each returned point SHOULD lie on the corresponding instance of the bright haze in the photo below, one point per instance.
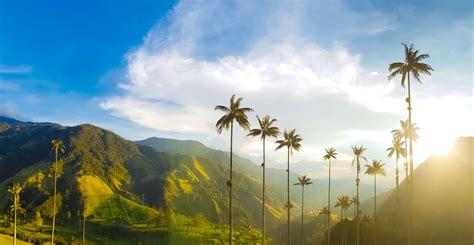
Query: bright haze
(158, 69)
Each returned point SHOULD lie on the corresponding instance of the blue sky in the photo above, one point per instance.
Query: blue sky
(157, 68)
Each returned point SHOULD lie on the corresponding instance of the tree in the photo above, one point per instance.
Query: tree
(84, 173)
(15, 207)
(324, 211)
(407, 132)
(412, 66)
(233, 113)
(292, 141)
(397, 150)
(355, 201)
(377, 168)
(266, 130)
(358, 155)
(303, 181)
(404, 134)
(58, 147)
(344, 202)
(330, 154)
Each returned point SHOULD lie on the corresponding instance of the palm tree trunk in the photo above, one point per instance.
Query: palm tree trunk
(375, 207)
(412, 203)
(84, 213)
(357, 204)
(302, 215)
(345, 227)
(396, 182)
(54, 197)
(398, 197)
(289, 208)
(407, 178)
(231, 224)
(342, 228)
(329, 204)
(14, 228)
(263, 197)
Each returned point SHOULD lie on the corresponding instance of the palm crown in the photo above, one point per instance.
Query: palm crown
(266, 129)
(57, 146)
(291, 139)
(411, 65)
(232, 113)
(377, 168)
(406, 131)
(397, 148)
(303, 181)
(15, 191)
(343, 202)
(324, 211)
(330, 154)
(358, 154)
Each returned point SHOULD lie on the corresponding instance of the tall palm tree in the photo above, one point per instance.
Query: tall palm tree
(292, 141)
(412, 66)
(377, 168)
(397, 150)
(303, 181)
(15, 191)
(358, 156)
(326, 212)
(344, 202)
(238, 114)
(330, 154)
(405, 132)
(355, 201)
(57, 147)
(84, 173)
(266, 130)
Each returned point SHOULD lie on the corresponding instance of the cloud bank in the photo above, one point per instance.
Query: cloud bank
(204, 52)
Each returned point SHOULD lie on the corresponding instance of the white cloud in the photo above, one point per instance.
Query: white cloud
(205, 52)
(5, 69)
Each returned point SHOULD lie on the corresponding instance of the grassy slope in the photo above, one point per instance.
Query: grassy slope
(4, 239)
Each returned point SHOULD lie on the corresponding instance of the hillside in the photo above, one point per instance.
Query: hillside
(317, 192)
(155, 185)
(127, 183)
(444, 198)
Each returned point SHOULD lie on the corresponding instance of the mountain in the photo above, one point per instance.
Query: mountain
(126, 183)
(172, 189)
(316, 193)
(443, 192)
(443, 210)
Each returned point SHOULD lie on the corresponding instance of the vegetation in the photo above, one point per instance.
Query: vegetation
(397, 150)
(330, 154)
(377, 168)
(58, 147)
(169, 191)
(344, 202)
(16, 208)
(292, 141)
(266, 130)
(303, 181)
(358, 152)
(232, 113)
(412, 66)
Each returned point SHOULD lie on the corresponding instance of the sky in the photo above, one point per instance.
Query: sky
(158, 68)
